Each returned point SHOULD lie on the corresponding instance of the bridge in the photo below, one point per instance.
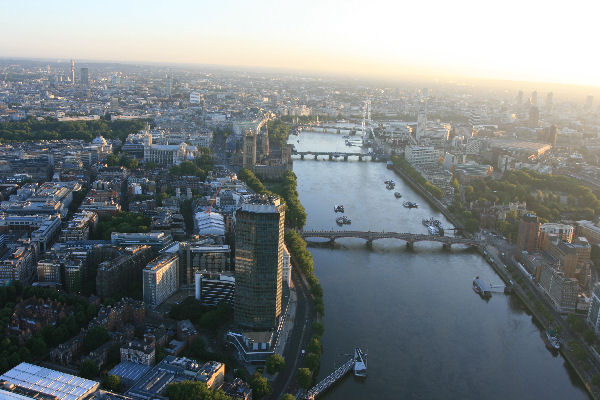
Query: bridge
(337, 154)
(409, 238)
(336, 375)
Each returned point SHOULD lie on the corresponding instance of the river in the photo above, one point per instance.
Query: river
(428, 335)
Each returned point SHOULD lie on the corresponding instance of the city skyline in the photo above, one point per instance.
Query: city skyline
(523, 42)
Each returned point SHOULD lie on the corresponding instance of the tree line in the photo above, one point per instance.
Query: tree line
(32, 129)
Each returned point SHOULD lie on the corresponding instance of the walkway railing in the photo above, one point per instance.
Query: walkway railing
(330, 380)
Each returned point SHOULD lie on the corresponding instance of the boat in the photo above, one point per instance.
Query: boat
(360, 363)
(397, 194)
(552, 339)
(481, 288)
(434, 226)
(343, 220)
(338, 208)
(409, 204)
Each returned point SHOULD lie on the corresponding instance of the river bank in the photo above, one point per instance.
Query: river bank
(538, 310)
(428, 334)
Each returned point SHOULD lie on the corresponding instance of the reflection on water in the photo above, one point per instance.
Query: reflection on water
(429, 336)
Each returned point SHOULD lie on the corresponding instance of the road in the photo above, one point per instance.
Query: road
(298, 340)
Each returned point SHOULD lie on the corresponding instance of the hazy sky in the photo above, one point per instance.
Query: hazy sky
(550, 40)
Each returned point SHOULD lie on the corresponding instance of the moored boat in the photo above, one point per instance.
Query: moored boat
(481, 288)
(360, 363)
(409, 204)
(397, 194)
(552, 339)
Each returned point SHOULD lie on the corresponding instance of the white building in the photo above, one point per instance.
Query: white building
(420, 155)
(167, 154)
(160, 279)
(593, 316)
(195, 98)
(209, 223)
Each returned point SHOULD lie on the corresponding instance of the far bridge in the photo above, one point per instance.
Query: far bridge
(409, 238)
(331, 155)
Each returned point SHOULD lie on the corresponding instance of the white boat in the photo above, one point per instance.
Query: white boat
(360, 363)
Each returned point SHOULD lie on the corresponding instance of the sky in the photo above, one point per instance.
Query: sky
(530, 40)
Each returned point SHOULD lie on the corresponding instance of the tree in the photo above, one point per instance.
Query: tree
(314, 346)
(113, 383)
(38, 347)
(596, 380)
(275, 363)
(312, 361)
(288, 396)
(95, 337)
(260, 386)
(318, 328)
(589, 336)
(89, 369)
(304, 377)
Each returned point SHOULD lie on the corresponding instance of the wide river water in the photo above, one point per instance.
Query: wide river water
(428, 335)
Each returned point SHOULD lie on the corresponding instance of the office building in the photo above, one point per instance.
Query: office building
(156, 240)
(213, 289)
(421, 155)
(534, 117)
(160, 279)
(287, 267)
(563, 232)
(529, 233)
(590, 231)
(259, 262)
(119, 268)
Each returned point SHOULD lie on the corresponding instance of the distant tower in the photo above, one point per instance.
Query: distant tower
(84, 78)
(549, 101)
(421, 120)
(534, 117)
(169, 85)
(520, 97)
(589, 101)
(72, 72)
(249, 149)
(533, 99)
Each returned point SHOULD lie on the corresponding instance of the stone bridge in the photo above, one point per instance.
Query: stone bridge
(409, 238)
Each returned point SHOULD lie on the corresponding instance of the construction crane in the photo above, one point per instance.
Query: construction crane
(214, 199)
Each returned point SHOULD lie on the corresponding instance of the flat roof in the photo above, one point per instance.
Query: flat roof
(62, 385)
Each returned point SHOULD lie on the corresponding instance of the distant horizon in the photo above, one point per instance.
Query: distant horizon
(579, 89)
(531, 41)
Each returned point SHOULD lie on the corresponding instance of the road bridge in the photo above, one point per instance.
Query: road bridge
(369, 236)
(337, 154)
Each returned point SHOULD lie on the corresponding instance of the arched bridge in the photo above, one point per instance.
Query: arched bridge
(409, 238)
(338, 154)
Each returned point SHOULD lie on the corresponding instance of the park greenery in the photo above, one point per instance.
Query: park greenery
(279, 132)
(198, 168)
(95, 337)
(13, 351)
(193, 390)
(32, 129)
(416, 176)
(295, 215)
(89, 369)
(203, 316)
(121, 160)
(113, 383)
(123, 222)
(551, 197)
